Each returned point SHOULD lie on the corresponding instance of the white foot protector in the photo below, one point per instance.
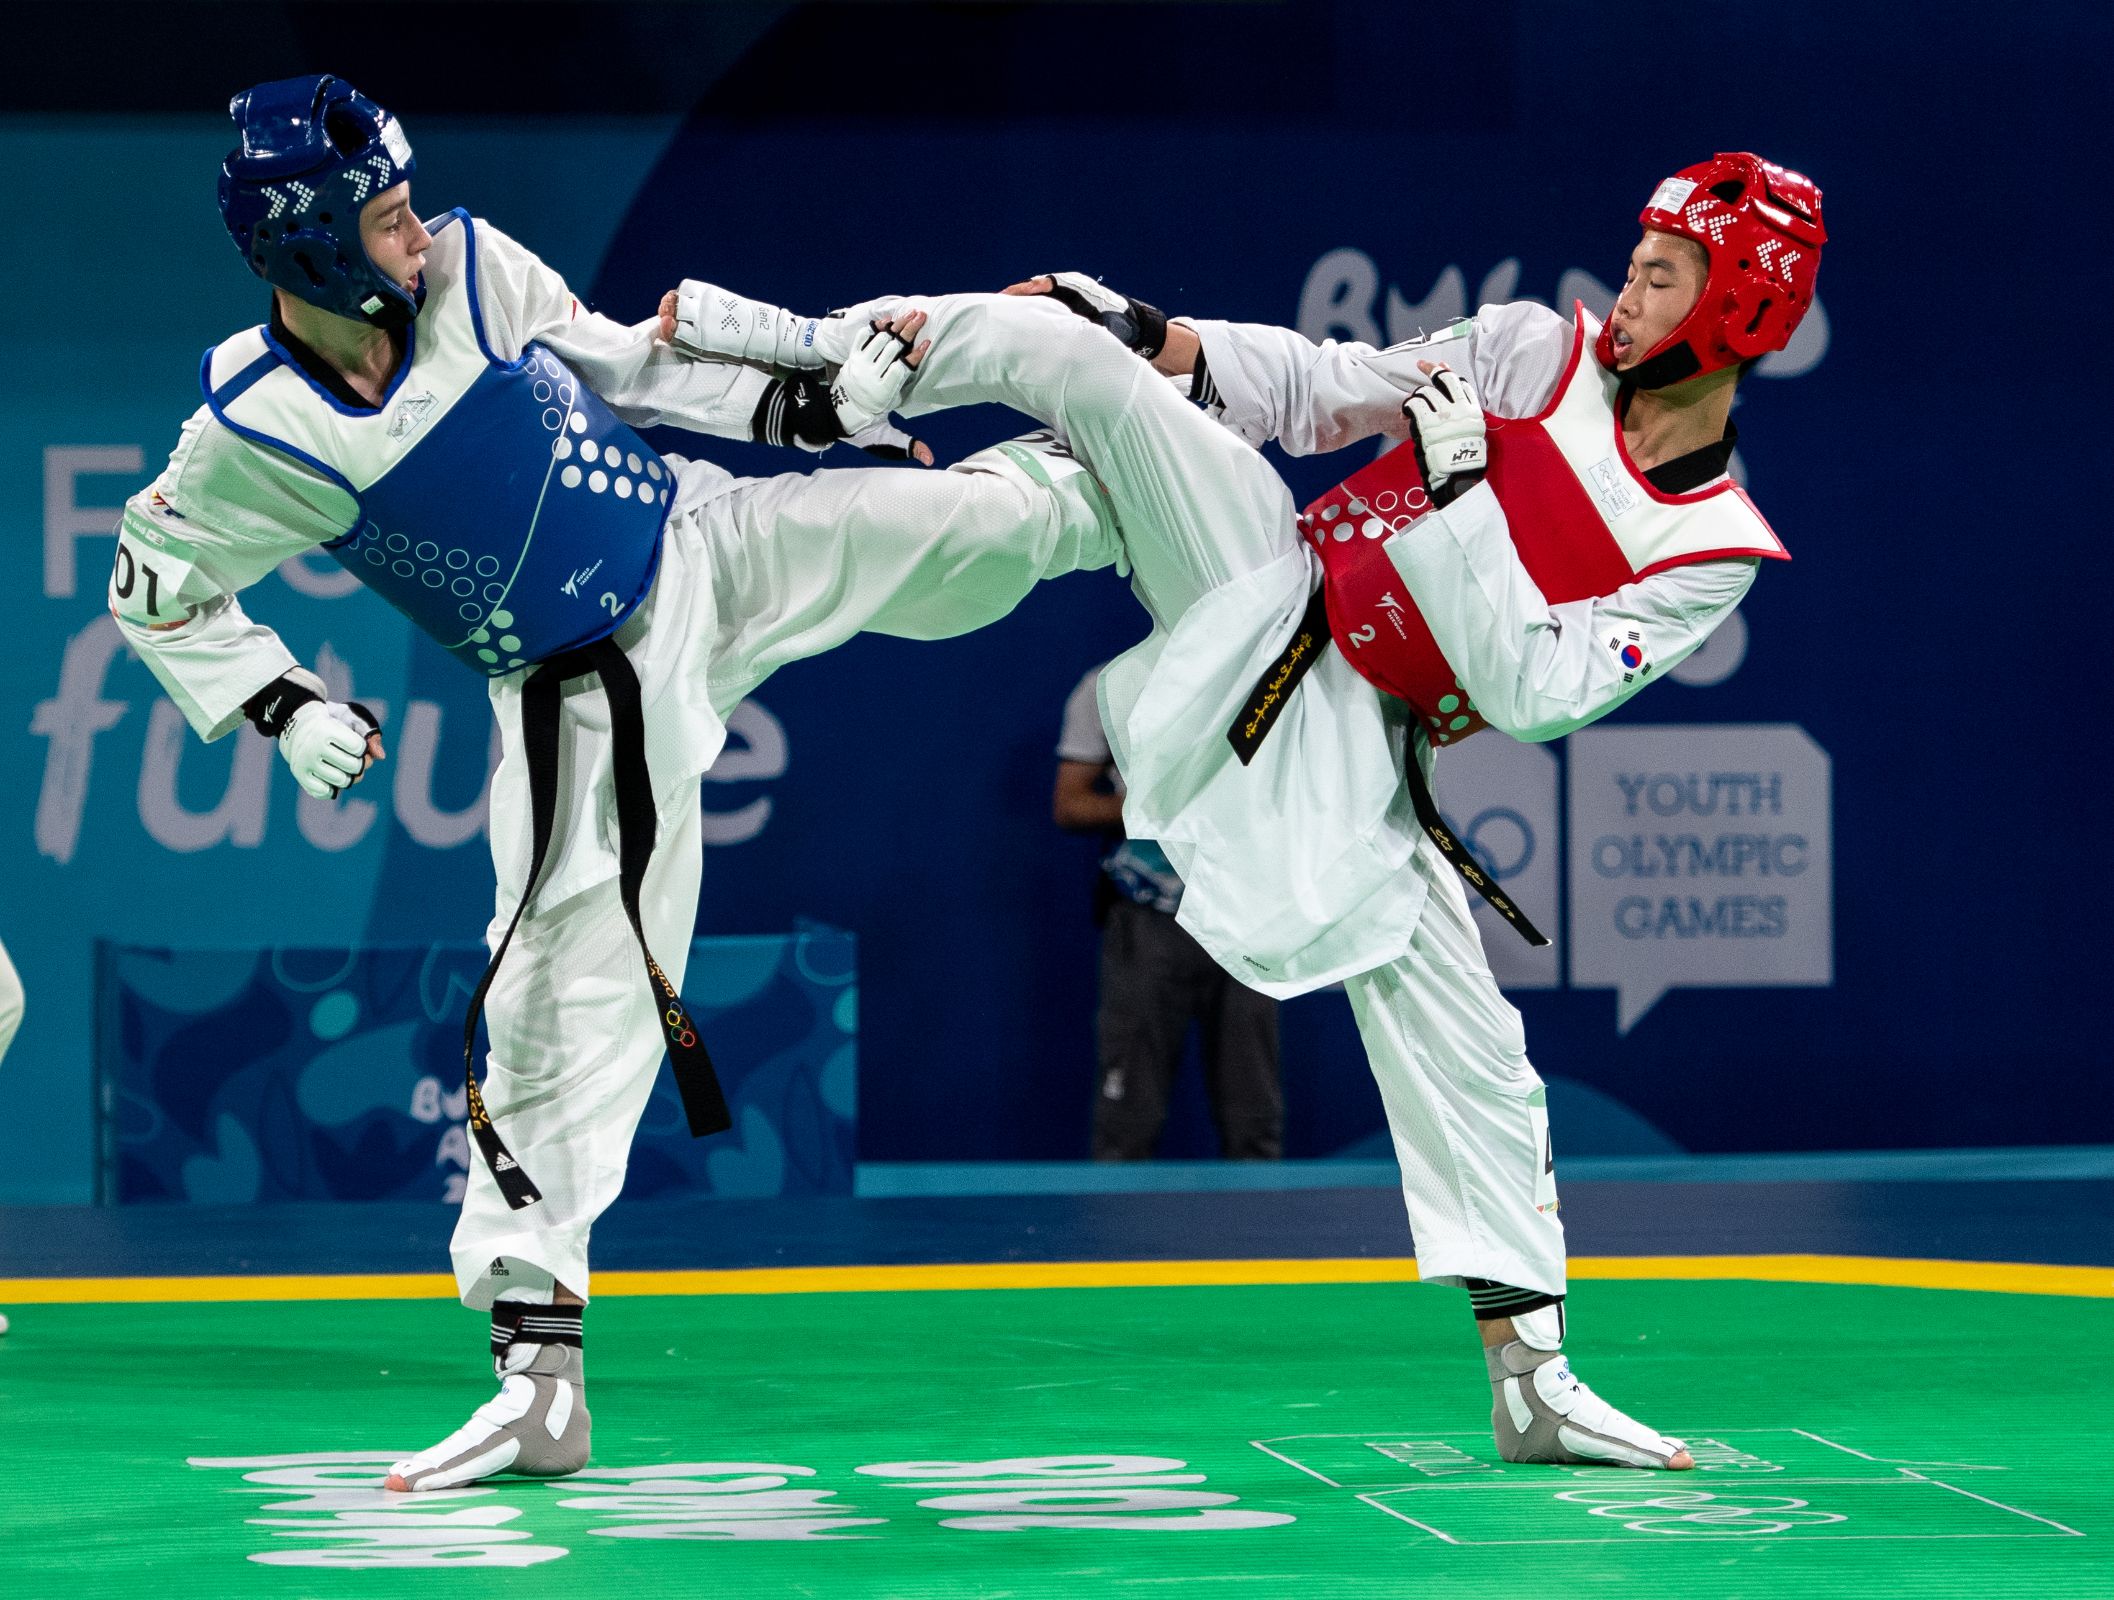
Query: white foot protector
(1546, 1415)
(1543, 1414)
(536, 1426)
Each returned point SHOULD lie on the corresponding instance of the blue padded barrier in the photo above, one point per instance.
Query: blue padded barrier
(237, 1075)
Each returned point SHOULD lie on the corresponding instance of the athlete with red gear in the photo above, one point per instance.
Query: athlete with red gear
(1594, 540)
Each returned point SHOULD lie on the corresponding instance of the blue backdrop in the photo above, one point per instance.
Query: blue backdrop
(1929, 453)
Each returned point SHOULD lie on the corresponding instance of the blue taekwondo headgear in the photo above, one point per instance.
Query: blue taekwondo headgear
(314, 150)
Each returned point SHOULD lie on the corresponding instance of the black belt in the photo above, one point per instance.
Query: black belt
(1266, 703)
(541, 707)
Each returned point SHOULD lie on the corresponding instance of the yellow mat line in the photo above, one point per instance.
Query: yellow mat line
(2002, 1277)
(2006, 1277)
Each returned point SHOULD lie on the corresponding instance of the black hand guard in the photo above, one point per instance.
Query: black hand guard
(1139, 326)
(273, 706)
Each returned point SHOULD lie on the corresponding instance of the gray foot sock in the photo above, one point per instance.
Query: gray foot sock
(536, 1426)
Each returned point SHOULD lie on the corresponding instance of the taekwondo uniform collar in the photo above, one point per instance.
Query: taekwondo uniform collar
(322, 371)
(1693, 470)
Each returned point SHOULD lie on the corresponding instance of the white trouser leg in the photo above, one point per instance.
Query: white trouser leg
(1468, 1113)
(575, 1049)
(804, 562)
(1197, 507)
(11, 1003)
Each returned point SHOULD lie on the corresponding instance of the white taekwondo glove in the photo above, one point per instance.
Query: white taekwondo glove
(1447, 422)
(324, 741)
(722, 325)
(872, 380)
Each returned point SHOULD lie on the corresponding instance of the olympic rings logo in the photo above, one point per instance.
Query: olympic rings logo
(1499, 828)
(1691, 1511)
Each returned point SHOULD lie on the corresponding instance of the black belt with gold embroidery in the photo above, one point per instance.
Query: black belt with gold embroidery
(1456, 853)
(1266, 703)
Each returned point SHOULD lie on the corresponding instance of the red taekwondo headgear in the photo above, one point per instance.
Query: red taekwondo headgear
(1759, 225)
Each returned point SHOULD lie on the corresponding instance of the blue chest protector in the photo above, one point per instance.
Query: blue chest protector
(503, 507)
(501, 547)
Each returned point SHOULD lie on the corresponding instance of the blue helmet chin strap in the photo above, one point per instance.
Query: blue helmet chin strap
(314, 151)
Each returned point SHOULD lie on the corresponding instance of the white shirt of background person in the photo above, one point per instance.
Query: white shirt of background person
(1139, 867)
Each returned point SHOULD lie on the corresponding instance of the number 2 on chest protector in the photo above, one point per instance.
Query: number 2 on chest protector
(145, 582)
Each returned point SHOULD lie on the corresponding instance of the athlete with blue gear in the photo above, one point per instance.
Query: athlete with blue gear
(430, 405)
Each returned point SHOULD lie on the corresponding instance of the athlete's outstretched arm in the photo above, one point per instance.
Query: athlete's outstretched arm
(642, 377)
(524, 301)
(1269, 383)
(1272, 383)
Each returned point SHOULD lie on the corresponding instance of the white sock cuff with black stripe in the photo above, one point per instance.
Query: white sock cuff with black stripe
(1491, 1301)
(519, 1322)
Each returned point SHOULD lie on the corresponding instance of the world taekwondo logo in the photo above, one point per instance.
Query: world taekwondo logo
(571, 586)
(1391, 608)
(1604, 478)
(410, 414)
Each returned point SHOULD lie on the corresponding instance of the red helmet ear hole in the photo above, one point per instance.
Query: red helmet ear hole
(1729, 191)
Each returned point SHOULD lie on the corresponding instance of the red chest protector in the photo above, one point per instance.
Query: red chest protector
(1582, 518)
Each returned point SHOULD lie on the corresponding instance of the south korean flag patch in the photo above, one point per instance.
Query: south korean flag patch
(1628, 650)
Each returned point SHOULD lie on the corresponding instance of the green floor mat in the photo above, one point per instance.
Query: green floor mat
(1264, 1442)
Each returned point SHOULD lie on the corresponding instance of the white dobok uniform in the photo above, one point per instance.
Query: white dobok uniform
(754, 573)
(1308, 866)
(11, 1002)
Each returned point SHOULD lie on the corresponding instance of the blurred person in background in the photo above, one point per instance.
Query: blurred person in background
(1156, 980)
